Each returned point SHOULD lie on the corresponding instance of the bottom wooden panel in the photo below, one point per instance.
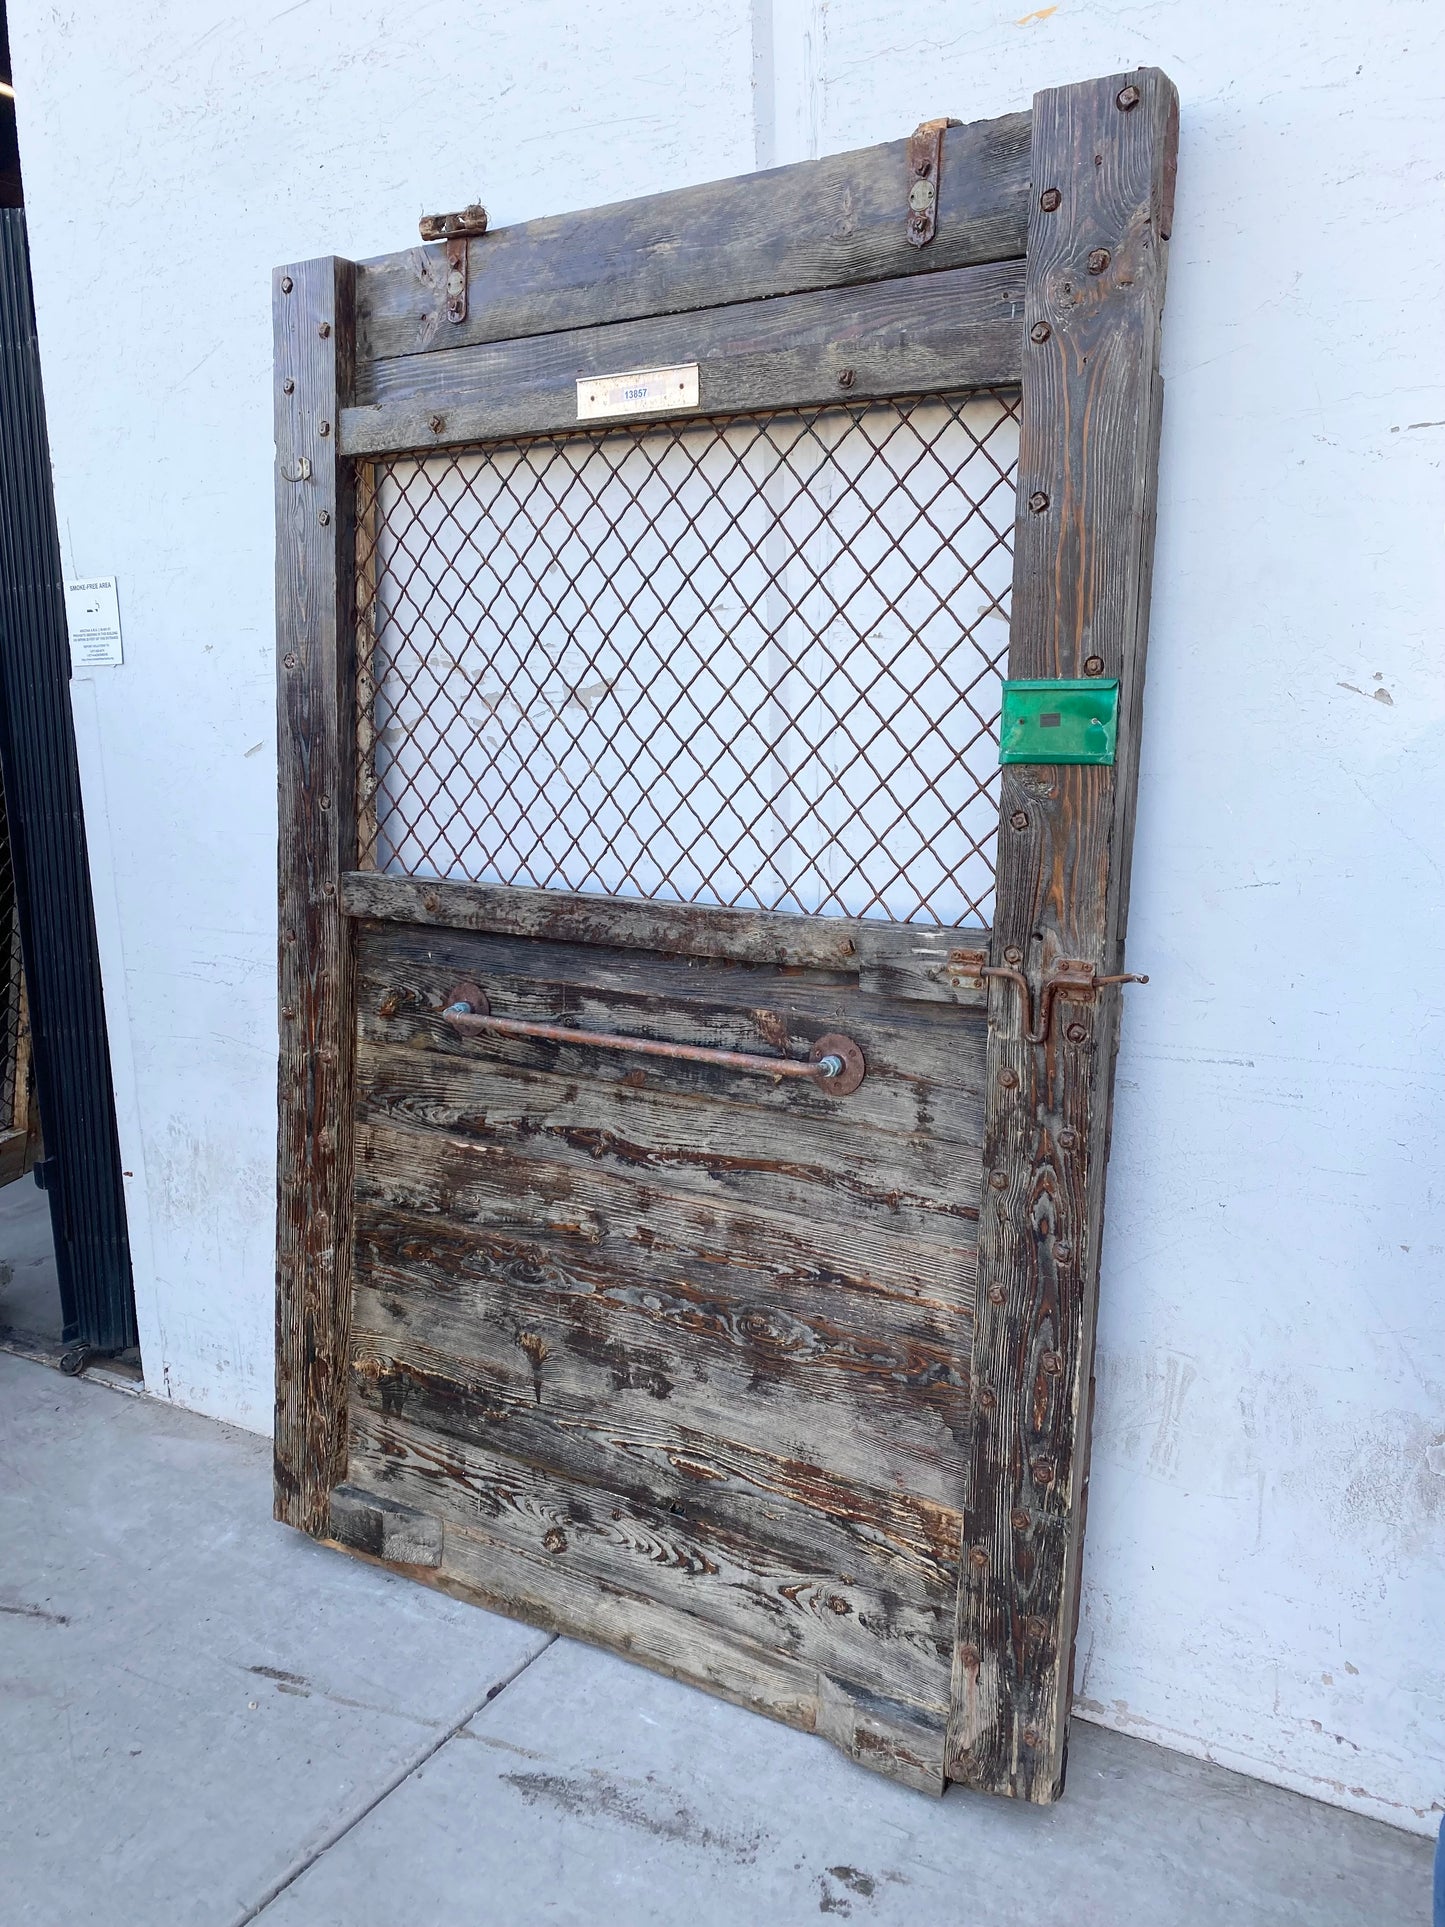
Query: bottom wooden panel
(893, 1737)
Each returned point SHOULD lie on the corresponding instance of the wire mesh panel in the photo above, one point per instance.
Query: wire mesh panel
(751, 661)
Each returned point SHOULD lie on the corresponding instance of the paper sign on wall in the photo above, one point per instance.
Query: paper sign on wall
(92, 612)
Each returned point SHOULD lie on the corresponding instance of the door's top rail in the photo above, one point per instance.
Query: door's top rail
(826, 223)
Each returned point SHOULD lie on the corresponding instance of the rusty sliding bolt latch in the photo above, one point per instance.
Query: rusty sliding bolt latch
(456, 230)
(835, 1065)
(925, 160)
(1072, 978)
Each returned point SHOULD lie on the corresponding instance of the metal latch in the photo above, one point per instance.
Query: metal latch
(1071, 978)
(456, 230)
(925, 159)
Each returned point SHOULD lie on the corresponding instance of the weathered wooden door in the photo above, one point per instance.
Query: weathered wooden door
(694, 1095)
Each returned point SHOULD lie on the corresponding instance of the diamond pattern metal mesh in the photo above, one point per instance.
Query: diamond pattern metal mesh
(749, 660)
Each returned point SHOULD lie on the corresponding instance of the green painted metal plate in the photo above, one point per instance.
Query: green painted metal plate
(1062, 720)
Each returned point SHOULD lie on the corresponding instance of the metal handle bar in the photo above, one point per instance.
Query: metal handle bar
(835, 1063)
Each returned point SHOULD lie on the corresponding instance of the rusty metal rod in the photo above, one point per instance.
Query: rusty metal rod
(463, 1018)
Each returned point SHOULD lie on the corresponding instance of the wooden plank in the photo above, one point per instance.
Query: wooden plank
(853, 1625)
(387, 1528)
(429, 1171)
(1104, 156)
(897, 959)
(541, 1344)
(922, 1186)
(925, 1065)
(817, 224)
(312, 305)
(951, 331)
(553, 1355)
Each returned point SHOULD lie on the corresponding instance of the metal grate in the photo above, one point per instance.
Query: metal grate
(14, 1026)
(750, 660)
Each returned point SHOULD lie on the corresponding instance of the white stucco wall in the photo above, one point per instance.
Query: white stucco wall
(1265, 1575)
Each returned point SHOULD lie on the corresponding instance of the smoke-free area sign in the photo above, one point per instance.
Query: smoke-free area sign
(92, 611)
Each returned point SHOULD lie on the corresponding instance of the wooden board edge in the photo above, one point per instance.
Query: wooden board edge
(840, 219)
(313, 308)
(1104, 166)
(960, 330)
(926, 962)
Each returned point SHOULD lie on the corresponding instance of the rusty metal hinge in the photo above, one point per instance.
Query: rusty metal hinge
(1072, 979)
(456, 230)
(925, 161)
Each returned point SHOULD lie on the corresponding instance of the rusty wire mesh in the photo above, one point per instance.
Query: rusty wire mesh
(750, 660)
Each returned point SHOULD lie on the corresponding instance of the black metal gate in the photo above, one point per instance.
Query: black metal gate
(81, 1166)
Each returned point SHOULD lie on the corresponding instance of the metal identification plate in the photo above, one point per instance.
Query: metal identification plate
(641, 391)
(1062, 720)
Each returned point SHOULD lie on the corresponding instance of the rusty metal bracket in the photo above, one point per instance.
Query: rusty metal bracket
(1072, 979)
(925, 162)
(456, 230)
(835, 1064)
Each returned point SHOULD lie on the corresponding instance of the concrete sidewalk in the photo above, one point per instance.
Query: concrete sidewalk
(205, 1718)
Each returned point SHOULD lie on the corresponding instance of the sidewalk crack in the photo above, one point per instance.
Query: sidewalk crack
(413, 1765)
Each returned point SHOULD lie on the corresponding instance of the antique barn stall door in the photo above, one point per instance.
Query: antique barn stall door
(696, 1049)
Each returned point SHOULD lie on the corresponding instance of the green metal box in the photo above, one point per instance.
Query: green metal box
(1060, 720)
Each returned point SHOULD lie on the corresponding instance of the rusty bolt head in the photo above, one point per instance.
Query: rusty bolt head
(324, 329)
(324, 518)
(1068, 1139)
(288, 387)
(323, 428)
(390, 1004)
(287, 284)
(1051, 200)
(987, 1399)
(1063, 1251)
(1019, 1519)
(290, 659)
(324, 802)
(846, 378)
(838, 1604)
(968, 1655)
(1040, 331)
(1093, 665)
(1042, 1471)
(1076, 1033)
(436, 423)
(978, 1559)
(996, 1294)
(1038, 501)
(1098, 260)
(555, 1540)
(1052, 1364)
(1008, 1079)
(1126, 98)
(1013, 955)
(1030, 1736)
(1020, 819)
(999, 1180)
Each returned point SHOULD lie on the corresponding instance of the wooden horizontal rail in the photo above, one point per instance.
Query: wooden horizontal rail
(919, 961)
(962, 329)
(817, 224)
